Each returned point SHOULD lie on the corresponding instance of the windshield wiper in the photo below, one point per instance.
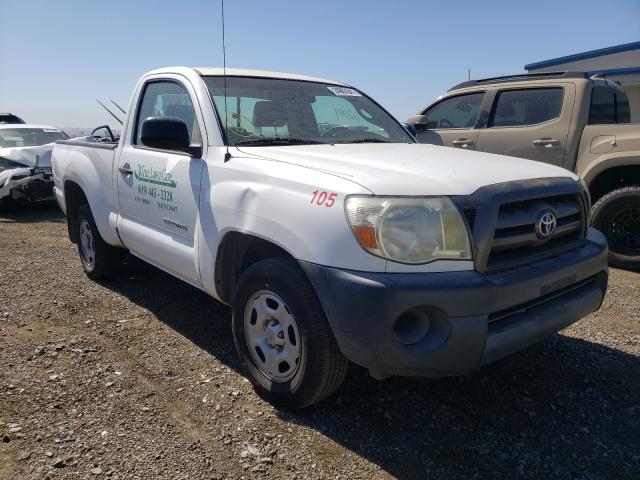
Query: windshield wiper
(278, 141)
(367, 140)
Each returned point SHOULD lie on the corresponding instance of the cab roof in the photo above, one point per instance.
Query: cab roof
(244, 72)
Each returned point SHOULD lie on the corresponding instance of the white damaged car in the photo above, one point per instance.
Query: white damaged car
(25, 162)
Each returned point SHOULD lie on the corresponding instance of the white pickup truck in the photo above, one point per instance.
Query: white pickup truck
(332, 233)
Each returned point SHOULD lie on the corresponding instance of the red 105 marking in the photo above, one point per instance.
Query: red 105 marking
(324, 198)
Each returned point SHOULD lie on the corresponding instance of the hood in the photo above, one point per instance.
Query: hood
(410, 169)
(27, 155)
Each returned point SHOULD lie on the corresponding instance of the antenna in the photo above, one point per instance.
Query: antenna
(227, 155)
(110, 112)
(119, 107)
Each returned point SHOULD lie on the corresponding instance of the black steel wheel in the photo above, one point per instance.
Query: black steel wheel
(617, 216)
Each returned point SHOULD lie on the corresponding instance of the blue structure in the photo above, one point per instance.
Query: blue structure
(620, 63)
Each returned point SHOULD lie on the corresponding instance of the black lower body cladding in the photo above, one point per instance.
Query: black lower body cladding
(438, 324)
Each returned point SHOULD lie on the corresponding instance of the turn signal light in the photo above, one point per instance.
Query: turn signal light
(366, 236)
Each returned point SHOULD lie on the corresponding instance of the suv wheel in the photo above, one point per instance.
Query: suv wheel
(282, 337)
(617, 216)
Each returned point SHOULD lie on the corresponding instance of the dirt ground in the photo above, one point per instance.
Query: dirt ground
(137, 378)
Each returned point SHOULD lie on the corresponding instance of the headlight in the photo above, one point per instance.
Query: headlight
(408, 230)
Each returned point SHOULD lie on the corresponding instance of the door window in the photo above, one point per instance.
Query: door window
(460, 111)
(608, 106)
(517, 108)
(168, 99)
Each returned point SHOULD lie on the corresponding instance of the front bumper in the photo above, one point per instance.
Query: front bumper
(474, 318)
(34, 187)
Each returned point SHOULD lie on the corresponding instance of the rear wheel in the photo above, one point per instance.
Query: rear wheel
(282, 337)
(617, 216)
(99, 259)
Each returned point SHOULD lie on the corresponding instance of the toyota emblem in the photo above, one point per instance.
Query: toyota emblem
(546, 225)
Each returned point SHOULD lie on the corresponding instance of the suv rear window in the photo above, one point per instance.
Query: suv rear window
(608, 106)
(517, 108)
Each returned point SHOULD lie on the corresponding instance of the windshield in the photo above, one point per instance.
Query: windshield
(273, 111)
(29, 137)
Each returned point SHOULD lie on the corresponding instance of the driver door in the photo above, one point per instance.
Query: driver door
(158, 189)
(451, 121)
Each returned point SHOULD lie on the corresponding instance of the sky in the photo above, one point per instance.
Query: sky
(58, 57)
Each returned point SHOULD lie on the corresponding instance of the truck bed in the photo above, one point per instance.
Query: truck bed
(600, 143)
(74, 162)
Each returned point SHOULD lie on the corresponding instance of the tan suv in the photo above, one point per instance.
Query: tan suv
(565, 118)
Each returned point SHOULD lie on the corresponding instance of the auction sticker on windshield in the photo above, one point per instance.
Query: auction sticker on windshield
(344, 91)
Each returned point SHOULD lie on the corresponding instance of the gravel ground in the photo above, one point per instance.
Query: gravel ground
(137, 378)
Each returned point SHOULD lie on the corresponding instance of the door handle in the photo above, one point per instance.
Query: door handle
(462, 143)
(546, 142)
(125, 169)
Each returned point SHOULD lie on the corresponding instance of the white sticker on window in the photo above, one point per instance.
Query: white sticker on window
(344, 91)
(50, 130)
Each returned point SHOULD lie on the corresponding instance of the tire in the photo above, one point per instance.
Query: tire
(617, 216)
(100, 260)
(276, 315)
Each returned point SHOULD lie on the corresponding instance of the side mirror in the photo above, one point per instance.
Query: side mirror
(166, 133)
(410, 127)
(420, 121)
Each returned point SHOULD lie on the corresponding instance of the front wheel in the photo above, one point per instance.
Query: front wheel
(617, 216)
(282, 337)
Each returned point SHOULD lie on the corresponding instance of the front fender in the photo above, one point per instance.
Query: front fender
(273, 201)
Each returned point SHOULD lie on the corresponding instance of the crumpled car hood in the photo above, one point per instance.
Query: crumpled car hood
(13, 173)
(9, 165)
(26, 156)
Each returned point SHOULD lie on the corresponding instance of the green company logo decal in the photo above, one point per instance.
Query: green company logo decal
(157, 177)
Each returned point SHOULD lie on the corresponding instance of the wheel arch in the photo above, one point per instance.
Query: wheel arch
(236, 252)
(613, 177)
(74, 198)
